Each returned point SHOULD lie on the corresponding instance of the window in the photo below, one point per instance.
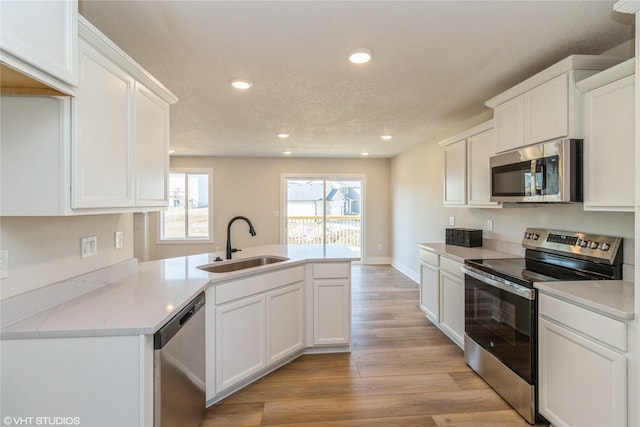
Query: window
(189, 216)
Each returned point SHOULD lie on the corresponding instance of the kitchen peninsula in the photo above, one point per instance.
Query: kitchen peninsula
(100, 343)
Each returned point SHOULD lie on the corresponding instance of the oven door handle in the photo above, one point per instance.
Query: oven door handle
(500, 283)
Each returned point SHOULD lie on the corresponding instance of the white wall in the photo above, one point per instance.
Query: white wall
(419, 215)
(45, 250)
(252, 187)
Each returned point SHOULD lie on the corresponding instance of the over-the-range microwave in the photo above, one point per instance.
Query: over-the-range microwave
(544, 173)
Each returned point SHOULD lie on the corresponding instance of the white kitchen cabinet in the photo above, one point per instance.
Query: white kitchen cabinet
(151, 140)
(442, 294)
(240, 340)
(258, 322)
(509, 123)
(466, 173)
(102, 153)
(430, 285)
(332, 303)
(609, 110)
(39, 39)
(285, 322)
(480, 148)
(452, 300)
(95, 381)
(546, 106)
(455, 174)
(582, 366)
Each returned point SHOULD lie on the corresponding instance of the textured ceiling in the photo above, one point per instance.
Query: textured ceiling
(434, 65)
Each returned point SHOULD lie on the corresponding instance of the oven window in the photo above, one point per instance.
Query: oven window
(511, 180)
(503, 324)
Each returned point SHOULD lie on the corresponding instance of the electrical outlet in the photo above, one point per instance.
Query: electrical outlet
(489, 225)
(452, 221)
(379, 246)
(88, 247)
(119, 240)
(4, 264)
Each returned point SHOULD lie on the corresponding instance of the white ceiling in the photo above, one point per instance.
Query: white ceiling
(434, 65)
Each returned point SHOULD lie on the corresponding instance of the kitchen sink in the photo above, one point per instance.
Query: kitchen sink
(241, 264)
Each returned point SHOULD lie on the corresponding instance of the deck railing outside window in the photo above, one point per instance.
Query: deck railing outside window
(309, 230)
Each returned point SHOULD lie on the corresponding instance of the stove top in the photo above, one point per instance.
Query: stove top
(558, 255)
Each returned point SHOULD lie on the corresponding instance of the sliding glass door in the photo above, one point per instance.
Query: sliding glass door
(324, 210)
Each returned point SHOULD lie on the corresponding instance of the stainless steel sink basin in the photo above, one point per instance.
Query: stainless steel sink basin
(241, 264)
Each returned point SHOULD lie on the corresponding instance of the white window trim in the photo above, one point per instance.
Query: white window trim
(190, 240)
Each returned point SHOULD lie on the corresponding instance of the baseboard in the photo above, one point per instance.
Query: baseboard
(406, 271)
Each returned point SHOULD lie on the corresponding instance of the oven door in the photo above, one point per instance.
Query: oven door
(500, 316)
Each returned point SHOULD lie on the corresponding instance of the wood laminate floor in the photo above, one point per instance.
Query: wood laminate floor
(402, 371)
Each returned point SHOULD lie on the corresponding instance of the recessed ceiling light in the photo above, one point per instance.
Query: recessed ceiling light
(386, 137)
(286, 153)
(360, 55)
(364, 153)
(283, 135)
(241, 84)
(171, 151)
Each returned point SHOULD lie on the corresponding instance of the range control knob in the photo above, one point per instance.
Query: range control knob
(535, 236)
(605, 246)
(593, 245)
(527, 235)
(583, 243)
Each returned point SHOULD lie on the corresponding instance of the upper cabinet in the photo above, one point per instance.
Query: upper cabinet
(466, 172)
(39, 46)
(103, 151)
(546, 106)
(609, 120)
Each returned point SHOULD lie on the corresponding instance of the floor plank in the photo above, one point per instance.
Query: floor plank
(402, 371)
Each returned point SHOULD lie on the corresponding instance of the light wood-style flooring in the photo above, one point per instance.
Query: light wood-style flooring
(402, 371)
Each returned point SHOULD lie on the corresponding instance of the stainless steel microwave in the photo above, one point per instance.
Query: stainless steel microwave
(544, 173)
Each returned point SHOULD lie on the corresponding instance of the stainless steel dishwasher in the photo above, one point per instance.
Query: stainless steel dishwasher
(179, 368)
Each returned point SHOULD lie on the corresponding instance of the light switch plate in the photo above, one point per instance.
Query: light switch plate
(88, 246)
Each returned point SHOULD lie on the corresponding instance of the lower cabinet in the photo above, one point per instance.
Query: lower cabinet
(87, 381)
(256, 323)
(442, 294)
(582, 366)
(332, 303)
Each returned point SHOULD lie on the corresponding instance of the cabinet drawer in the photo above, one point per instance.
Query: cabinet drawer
(452, 267)
(255, 284)
(602, 328)
(429, 258)
(331, 270)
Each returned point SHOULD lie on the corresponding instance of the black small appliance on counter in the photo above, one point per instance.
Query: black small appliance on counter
(467, 237)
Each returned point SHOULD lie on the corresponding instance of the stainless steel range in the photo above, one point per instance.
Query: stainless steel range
(501, 307)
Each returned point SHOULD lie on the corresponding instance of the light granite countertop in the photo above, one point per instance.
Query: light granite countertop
(460, 253)
(141, 302)
(613, 298)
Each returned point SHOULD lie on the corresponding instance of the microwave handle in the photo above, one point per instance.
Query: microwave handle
(539, 167)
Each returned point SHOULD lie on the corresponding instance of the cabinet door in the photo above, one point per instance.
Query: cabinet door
(452, 307)
(455, 174)
(332, 312)
(430, 292)
(240, 340)
(151, 120)
(546, 111)
(609, 147)
(509, 124)
(41, 39)
(285, 322)
(581, 383)
(479, 148)
(101, 161)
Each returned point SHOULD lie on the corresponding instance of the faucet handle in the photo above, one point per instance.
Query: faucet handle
(236, 250)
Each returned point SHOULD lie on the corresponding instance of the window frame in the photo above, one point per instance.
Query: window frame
(188, 240)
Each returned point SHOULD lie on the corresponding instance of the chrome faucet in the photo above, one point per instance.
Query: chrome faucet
(251, 230)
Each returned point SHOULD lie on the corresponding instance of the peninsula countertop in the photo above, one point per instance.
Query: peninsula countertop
(142, 302)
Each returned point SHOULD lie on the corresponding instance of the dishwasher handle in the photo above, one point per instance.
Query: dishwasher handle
(165, 333)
